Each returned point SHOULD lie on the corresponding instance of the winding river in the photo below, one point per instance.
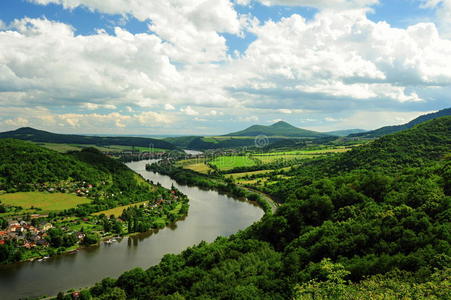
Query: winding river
(210, 215)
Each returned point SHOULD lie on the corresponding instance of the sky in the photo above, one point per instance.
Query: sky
(216, 66)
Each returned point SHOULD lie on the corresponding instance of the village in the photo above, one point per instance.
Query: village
(30, 234)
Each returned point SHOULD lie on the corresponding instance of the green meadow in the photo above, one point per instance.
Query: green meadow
(45, 201)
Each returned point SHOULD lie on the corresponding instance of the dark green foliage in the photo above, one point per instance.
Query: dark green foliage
(90, 239)
(34, 135)
(3, 223)
(25, 166)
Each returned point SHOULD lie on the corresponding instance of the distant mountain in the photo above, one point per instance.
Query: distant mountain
(396, 128)
(345, 132)
(277, 129)
(34, 135)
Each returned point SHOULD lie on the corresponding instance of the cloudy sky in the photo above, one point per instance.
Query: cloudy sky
(215, 66)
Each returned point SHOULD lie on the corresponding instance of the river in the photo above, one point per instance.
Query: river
(210, 215)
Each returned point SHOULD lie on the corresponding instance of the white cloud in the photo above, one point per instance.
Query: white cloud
(17, 122)
(321, 4)
(339, 56)
(94, 106)
(285, 111)
(190, 27)
(189, 111)
(443, 11)
(168, 106)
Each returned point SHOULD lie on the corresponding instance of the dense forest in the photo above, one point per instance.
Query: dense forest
(370, 223)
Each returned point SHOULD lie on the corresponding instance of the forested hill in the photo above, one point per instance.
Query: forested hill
(277, 129)
(24, 166)
(426, 142)
(34, 135)
(393, 129)
(386, 223)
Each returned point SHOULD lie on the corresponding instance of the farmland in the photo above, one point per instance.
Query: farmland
(117, 211)
(46, 202)
(226, 163)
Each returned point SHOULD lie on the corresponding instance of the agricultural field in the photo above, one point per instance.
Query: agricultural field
(117, 211)
(196, 165)
(200, 168)
(46, 202)
(226, 163)
(306, 152)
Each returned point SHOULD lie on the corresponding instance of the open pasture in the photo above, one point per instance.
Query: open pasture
(46, 201)
(225, 163)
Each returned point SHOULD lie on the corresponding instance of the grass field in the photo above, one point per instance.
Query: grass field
(117, 211)
(306, 152)
(272, 158)
(225, 163)
(244, 174)
(196, 165)
(200, 168)
(45, 201)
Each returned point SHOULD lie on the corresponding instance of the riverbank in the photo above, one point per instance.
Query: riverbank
(214, 183)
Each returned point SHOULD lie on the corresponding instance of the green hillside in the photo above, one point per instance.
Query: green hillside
(345, 132)
(34, 135)
(277, 129)
(372, 223)
(27, 167)
(393, 129)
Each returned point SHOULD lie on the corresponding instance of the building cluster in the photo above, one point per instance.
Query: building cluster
(25, 234)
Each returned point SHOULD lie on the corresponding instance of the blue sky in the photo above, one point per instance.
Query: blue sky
(211, 67)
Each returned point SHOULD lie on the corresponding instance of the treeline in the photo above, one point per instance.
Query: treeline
(371, 229)
(27, 167)
(216, 182)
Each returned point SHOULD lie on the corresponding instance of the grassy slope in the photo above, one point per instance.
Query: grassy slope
(46, 201)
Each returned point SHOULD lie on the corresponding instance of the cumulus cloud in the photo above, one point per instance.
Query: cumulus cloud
(337, 61)
(443, 11)
(191, 27)
(189, 111)
(321, 4)
(340, 58)
(168, 106)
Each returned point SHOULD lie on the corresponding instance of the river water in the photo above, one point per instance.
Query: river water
(210, 215)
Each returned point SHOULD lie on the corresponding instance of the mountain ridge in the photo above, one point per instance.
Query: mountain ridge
(36, 135)
(396, 128)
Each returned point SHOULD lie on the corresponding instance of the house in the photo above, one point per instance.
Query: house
(47, 226)
(15, 228)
